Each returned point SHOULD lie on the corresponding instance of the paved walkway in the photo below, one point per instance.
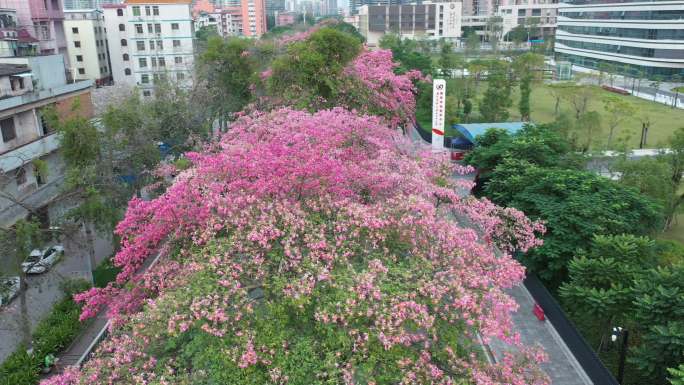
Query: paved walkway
(562, 367)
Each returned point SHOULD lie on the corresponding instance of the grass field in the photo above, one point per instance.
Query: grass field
(664, 120)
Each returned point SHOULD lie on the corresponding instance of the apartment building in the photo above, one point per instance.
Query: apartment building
(150, 40)
(41, 20)
(427, 20)
(539, 16)
(285, 18)
(253, 18)
(27, 86)
(634, 37)
(87, 45)
(87, 4)
(13, 40)
(230, 21)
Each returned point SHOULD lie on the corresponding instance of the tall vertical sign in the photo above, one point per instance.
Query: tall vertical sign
(438, 100)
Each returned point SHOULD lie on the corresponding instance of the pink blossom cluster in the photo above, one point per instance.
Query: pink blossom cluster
(393, 94)
(331, 212)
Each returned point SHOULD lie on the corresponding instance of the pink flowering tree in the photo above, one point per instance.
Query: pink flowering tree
(312, 248)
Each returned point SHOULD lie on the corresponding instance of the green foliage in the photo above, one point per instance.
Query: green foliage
(40, 168)
(497, 98)
(228, 68)
(600, 280)
(676, 375)
(205, 32)
(575, 205)
(104, 273)
(310, 72)
(405, 52)
(524, 103)
(52, 334)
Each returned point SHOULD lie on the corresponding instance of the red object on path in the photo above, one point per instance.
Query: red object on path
(539, 312)
(457, 155)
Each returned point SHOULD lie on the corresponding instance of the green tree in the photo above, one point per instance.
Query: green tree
(599, 281)
(659, 309)
(309, 74)
(447, 58)
(524, 103)
(227, 69)
(589, 124)
(497, 99)
(618, 111)
(472, 45)
(518, 34)
(676, 375)
(575, 205)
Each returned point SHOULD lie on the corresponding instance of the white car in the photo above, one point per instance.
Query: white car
(9, 288)
(40, 261)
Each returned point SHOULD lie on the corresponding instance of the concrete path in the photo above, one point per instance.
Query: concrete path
(562, 367)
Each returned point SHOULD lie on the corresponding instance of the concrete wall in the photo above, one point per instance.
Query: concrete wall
(48, 71)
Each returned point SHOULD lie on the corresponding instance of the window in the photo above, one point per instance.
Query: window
(127, 71)
(178, 59)
(79, 57)
(176, 43)
(74, 30)
(180, 76)
(141, 45)
(81, 71)
(145, 79)
(160, 45)
(119, 12)
(162, 62)
(153, 61)
(174, 26)
(149, 27)
(136, 11)
(142, 62)
(147, 93)
(155, 10)
(8, 132)
(147, 10)
(122, 27)
(124, 42)
(21, 176)
(126, 57)
(157, 28)
(77, 44)
(151, 44)
(138, 28)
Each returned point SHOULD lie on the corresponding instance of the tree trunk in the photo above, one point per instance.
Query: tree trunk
(25, 327)
(90, 240)
(556, 106)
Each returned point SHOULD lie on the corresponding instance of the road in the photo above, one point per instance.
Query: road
(44, 290)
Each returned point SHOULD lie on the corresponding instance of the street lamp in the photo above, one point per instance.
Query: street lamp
(617, 333)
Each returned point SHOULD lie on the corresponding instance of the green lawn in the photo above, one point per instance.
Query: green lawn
(664, 120)
(678, 89)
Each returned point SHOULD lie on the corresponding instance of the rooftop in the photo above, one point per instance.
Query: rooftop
(13, 69)
(158, 1)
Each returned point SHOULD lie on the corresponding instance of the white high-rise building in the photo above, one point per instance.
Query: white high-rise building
(87, 45)
(635, 38)
(150, 39)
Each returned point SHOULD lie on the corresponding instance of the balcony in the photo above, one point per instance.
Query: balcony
(35, 96)
(17, 156)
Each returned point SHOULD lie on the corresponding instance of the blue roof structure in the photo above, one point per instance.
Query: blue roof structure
(472, 130)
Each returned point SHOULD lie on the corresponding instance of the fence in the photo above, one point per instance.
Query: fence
(583, 353)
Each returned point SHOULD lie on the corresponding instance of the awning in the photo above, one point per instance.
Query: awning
(24, 75)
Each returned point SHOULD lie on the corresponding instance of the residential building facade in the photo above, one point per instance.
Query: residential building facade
(253, 18)
(427, 20)
(150, 39)
(285, 18)
(87, 4)
(538, 16)
(41, 20)
(637, 38)
(87, 45)
(27, 86)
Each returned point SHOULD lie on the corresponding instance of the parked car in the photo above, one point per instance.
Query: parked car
(9, 288)
(41, 261)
